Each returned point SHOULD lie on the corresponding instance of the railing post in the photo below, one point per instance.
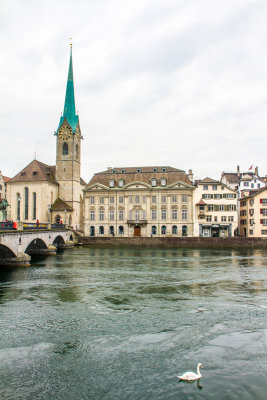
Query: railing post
(20, 226)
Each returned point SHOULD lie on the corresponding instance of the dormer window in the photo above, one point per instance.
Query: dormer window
(154, 182)
(114, 171)
(121, 182)
(164, 169)
(138, 170)
(155, 169)
(111, 183)
(163, 182)
(123, 171)
(35, 173)
(23, 174)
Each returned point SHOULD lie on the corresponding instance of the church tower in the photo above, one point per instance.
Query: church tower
(68, 160)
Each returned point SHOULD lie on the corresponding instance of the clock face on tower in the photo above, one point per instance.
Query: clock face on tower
(65, 132)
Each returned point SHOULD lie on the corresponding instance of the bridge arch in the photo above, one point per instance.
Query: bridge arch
(58, 241)
(36, 246)
(6, 252)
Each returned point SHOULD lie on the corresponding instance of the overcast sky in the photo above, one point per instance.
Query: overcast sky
(172, 82)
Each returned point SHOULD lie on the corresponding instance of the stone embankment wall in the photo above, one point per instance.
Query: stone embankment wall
(196, 242)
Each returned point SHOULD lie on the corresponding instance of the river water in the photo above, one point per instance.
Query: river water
(110, 323)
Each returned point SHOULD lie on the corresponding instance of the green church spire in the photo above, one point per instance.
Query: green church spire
(69, 107)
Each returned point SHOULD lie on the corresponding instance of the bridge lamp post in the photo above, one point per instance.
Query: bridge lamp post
(18, 207)
(49, 212)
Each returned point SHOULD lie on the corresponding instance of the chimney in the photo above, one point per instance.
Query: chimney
(238, 171)
(257, 171)
(190, 175)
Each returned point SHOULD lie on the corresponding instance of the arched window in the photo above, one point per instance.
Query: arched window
(111, 230)
(57, 219)
(70, 220)
(77, 151)
(184, 230)
(34, 205)
(92, 231)
(101, 230)
(121, 230)
(154, 230)
(174, 230)
(65, 149)
(26, 202)
(137, 215)
(18, 206)
(163, 230)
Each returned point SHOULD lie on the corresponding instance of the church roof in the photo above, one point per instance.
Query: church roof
(140, 174)
(69, 112)
(60, 205)
(34, 172)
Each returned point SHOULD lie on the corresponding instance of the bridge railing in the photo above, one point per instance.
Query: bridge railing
(34, 225)
(29, 226)
(58, 226)
(7, 226)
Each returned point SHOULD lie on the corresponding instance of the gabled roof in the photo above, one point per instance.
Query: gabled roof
(231, 177)
(35, 171)
(208, 180)
(201, 203)
(145, 175)
(6, 179)
(60, 205)
(82, 182)
(253, 193)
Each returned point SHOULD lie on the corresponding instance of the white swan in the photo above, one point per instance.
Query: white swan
(191, 376)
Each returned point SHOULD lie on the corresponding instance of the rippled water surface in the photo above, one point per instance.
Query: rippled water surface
(104, 323)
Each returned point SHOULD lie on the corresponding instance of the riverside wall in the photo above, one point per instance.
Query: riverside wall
(186, 242)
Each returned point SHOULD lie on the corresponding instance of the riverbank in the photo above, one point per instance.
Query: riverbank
(180, 242)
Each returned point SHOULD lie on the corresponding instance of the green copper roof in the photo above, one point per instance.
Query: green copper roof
(69, 107)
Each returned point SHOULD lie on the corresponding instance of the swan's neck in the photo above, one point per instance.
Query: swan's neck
(198, 370)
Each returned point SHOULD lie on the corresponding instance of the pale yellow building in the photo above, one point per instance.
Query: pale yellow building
(53, 193)
(139, 201)
(215, 209)
(253, 214)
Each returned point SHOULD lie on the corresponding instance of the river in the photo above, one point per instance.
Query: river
(110, 323)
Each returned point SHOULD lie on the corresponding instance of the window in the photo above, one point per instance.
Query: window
(153, 199)
(214, 187)
(184, 198)
(230, 218)
(163, 182)
(174, 230)
(26, 203)
(163, 169)
(101, 230)
(252, 186)
(77, 151)
(121, 215)
(111, 183)
(111, 215)
(232, 207)
(251, 202)
(264, 221)
(163, 199)
(101, 200)
(121, 182)
(138, 170)
(174, 198)
(243, 213)
(206, 196)
(144, 215)
(263, 211)
(223, 219)
(123, 171)
(174, 213)
(251, 221)
(137, 215)
(92, 200)
(217, 196)
(184, 230)
(34, 205)
(210, 207)
(155, 169)
(184, 214)
(242, 203)
(114, 171)
(101, 215)
(137, 199)
(92, 215)
(18, 206)
(130, 199)
(92, 231)
(154, 230)
(263, 201)
(251, 211)
(230, 196)
(215, 219)
(205, 187)
(120, 199)
(153, 214)
(251, 231)
(130, 215)
(153, 182)
(121, 230)
(163, 230)
(246, 184)
(209, 218)
(111, 200)
(163, 214)
(111, 230)
(264, 231)
(35, 173)
(144, 199)
(258, 185)
(65, 149)
(221, 207)
(202, 208)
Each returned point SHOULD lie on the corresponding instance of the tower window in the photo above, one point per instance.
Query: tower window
(65, 149)
(77, 150)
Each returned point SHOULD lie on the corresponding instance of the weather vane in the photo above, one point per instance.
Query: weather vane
(70, 42)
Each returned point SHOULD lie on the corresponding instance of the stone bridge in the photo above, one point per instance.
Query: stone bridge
(17, 247)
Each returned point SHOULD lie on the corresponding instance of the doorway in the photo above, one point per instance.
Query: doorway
(137, 231)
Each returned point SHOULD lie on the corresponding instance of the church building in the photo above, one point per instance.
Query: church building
(53, 193)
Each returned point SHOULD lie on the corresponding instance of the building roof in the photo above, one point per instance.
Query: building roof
(208, 180)
(82, 182)
(253, 193)
(35, 171)
(6, 179)
(231, 177)
(60, 205)
(145, 175)
(69, 113)
(201, 203)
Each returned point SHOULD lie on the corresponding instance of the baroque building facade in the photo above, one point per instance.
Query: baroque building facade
(139, 201)
(53, 193)
(253, 214)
